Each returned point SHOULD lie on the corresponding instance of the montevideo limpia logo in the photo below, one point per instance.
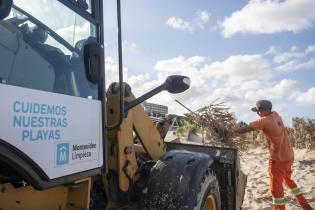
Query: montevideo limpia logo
(62, 154)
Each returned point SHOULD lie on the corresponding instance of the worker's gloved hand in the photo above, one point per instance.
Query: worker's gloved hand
(242, 130)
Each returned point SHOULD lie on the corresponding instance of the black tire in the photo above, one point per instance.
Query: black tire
(208, 187)
(180, 180)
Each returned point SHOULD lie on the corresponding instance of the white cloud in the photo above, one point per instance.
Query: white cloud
(295, 65)
(284, 89)
(227, 94)
(220, 79)
(273, 50)
(310, 49)
(202, 18)
(307, 98)
(239, 80)
(178, 64)
(111, 67)
(227, 80)
(293, 59)
(189, 67)
(287, 56)
(200, 21)
(239, 68)
(270, 16)
(250, 85)
(129, 46)
(178, 23)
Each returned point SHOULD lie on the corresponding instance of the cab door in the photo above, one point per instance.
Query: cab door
(50, 113)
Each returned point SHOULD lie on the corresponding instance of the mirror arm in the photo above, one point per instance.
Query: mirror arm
(130, 104)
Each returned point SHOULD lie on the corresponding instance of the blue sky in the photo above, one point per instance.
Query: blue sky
(235, 51)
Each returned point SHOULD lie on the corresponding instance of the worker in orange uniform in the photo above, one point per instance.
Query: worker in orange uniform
(281, 154)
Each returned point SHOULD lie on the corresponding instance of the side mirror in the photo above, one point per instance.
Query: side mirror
(92, 61)
(173, 84)
(5, 8)
(177, 83)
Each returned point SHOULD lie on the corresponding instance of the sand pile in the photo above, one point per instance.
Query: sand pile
(257, 196)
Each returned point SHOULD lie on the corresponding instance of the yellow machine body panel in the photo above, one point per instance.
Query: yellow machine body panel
(76, 196)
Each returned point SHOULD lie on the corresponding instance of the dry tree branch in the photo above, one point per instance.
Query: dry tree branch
(218, 122)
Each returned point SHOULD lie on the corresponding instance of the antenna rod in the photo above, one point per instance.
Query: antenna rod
(185, 107)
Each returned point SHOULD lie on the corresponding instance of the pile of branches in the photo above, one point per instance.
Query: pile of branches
(302, 133)
(217, 123)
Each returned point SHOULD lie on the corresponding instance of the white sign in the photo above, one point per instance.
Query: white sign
(61, 133)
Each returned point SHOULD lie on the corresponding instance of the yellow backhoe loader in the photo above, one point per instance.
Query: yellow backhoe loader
(67, 144)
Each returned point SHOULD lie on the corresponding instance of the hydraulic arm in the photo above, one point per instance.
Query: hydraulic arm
(122, 148)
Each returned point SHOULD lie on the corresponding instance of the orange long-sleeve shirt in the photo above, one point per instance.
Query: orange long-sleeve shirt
(277, 136)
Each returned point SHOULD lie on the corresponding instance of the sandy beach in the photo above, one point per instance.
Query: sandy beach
(257, 195)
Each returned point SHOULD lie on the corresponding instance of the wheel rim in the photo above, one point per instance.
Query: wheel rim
(210, 203)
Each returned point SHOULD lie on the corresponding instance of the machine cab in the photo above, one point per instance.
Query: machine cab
(50, 110)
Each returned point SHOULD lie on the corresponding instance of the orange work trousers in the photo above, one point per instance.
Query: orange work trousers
(280, 173)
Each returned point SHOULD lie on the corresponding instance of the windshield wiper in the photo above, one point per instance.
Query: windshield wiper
(37, 22)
